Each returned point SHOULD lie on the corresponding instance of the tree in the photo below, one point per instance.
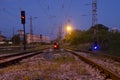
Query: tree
(78, 37)
(16, 39)
(100, 27)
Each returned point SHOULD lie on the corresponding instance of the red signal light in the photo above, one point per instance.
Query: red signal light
(23, 17)
(55, 46)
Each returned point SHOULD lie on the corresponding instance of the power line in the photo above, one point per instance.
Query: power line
(44, 11)
(67, 14)
(9, 13)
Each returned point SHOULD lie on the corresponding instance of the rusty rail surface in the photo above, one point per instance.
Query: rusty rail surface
(109, 73)
(115, 58)
(15, 58)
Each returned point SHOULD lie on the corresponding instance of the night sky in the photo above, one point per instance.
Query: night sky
(48, 15)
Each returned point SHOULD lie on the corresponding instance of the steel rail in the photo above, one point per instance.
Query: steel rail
(12, 55)
(13, 59)
(101, 54)
(19, 53)
(109, 73)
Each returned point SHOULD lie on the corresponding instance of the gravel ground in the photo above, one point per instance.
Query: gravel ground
(51, 66)
(106, 62)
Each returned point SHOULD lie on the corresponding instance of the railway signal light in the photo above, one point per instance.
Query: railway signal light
(95, 46)
(23, 22)
(22, 17)
(56, 46)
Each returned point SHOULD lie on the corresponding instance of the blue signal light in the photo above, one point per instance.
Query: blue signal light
(95, 47)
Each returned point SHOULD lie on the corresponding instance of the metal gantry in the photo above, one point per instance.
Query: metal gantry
(95, 20)
(94, 12)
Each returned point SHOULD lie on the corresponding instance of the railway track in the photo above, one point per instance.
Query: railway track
(102, 55)
(11, 59)
(103, 70)
(14, 54)
(110, 62)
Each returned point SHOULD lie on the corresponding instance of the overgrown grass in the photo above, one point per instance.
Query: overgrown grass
(113, 49)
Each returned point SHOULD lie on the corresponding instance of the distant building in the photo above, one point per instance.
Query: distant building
(2, 39)
(114, 30)
(34, 38)
(21, 33)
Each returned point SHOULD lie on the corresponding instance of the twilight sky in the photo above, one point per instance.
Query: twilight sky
(48, 15)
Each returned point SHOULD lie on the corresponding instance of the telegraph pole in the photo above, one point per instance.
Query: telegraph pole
(0, 32)
(13, 35)
(60, 33)
(24, 37)
(31, 30)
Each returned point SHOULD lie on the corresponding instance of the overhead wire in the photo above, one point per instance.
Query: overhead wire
(69, 8)
(9, 13)
(50, 17)
(47, 10)
(66, 8)
(43, 9)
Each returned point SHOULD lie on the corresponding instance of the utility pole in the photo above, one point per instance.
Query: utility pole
(0, 32)
(13, 35)
(31, 30)
(94, 20)
(60, 33)
(24, 37)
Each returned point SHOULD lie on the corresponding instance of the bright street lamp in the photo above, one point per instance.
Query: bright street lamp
(69, 28)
